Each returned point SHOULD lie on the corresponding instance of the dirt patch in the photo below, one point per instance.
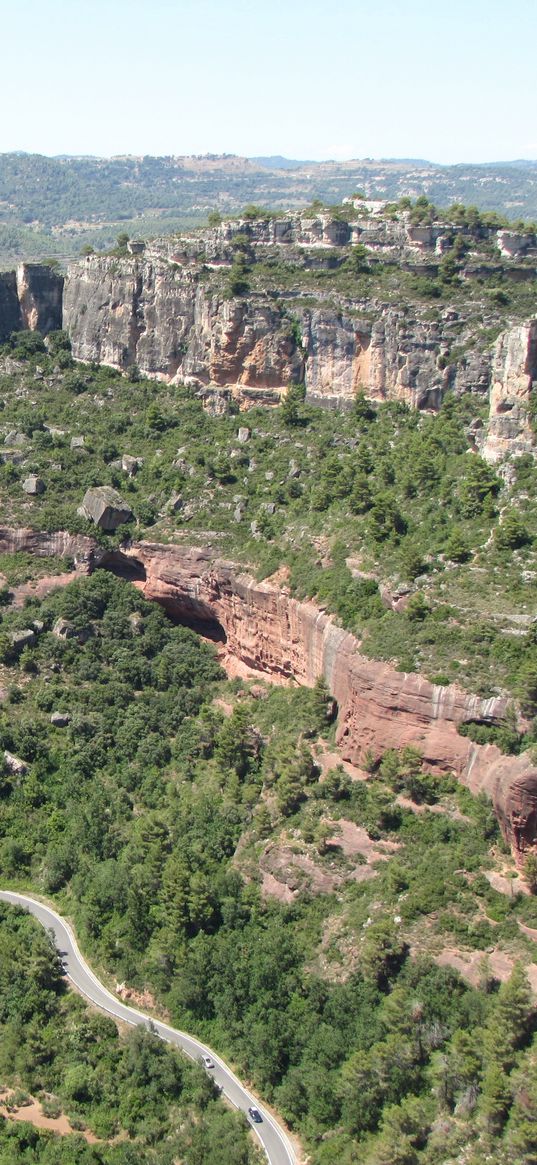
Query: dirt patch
(528, 931)
(295, 872)
(287, 869)
(223, 706)
(143, 999)
(272, 888)
(469, 964)
(33, 1113)
(327, 759)
(507, 882)
(420, 807)
(354, 839)
(37, 588)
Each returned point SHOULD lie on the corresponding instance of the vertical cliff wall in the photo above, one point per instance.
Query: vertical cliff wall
(514, 375)
(262, 627)
(10, 313)
(379, 707)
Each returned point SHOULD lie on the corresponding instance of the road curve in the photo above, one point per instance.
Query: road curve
(273, 1138)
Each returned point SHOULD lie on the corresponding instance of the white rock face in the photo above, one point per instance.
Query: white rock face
(514, 371)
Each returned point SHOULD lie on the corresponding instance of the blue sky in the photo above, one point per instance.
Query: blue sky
(451, 81)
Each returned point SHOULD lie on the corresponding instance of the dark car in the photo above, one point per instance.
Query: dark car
(255, 1115)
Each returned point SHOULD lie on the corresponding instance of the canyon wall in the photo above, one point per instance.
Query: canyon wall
(261, 627)
(269, 632)
(159, 315)
(160, 310)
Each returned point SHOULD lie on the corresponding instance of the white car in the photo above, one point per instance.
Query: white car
(207, 1061)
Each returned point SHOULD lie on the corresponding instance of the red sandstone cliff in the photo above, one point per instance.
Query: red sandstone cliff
(277, 635)
(379, 707)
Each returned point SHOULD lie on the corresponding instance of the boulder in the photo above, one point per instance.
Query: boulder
(243, 435)
(77, 442)
(131, 465)
(21, 639)
(14, 764)
(60, 719)
(104, 506)
(33, 485)
(63, 629)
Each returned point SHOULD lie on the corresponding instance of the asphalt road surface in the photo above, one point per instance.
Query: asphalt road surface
(272, 1136)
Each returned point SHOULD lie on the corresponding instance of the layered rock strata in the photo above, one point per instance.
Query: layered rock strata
(268, 631)
(514, 373)
(379, 707)
(160, 316)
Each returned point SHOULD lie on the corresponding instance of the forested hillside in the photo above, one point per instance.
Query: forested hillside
(51, 206)
(357, 942)
(363, 509)
(152, 800)
(139, 1100)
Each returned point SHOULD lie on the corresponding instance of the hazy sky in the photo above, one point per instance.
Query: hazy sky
(450, 81)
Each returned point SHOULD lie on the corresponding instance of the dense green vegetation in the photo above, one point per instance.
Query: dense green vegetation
(304, 923)
(150, 816)
(54, 1047)
(392, 493)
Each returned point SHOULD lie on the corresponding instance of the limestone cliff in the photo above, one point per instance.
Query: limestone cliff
(164, 308)
(176, 325)
(514, 373)
(40, 296)
(30, 299)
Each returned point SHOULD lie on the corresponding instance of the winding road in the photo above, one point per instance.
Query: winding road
(273, 1137)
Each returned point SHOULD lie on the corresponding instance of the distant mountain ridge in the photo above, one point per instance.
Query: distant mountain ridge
(53, 206)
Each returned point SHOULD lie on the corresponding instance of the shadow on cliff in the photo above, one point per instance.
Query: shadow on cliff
(184, 611)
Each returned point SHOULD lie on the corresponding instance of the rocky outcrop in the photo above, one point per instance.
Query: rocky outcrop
(40, 296)
(514, 373)
(105, 507)
(379, 707)
(269, 632)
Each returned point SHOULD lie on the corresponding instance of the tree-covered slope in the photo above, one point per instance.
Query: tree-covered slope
(155, 815)
(55, 205)
(363, 508)
(143, 1102)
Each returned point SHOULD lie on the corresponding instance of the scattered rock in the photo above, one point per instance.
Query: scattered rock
(64, 629)
(77, 442)
(131, 465)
